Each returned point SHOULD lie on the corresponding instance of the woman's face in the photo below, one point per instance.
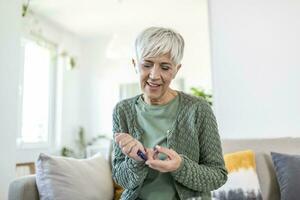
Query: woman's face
(156, 74)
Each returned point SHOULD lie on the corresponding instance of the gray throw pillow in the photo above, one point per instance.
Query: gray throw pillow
(60, 178)
(287, 168)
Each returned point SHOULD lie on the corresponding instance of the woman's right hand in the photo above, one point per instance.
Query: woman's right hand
(129, 145)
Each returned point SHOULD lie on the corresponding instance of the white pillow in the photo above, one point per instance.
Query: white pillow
(60, 178)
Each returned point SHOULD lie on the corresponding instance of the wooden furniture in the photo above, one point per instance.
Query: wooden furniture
(23, 169)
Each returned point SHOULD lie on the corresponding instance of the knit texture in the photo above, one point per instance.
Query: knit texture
(194, 136)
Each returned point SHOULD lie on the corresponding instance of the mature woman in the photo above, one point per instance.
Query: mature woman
(167, 144)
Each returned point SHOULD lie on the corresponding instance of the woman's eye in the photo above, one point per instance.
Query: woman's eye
(165, 67)
(147, 65)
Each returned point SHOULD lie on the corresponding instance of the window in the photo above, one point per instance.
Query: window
(37, 106)
(127, 90)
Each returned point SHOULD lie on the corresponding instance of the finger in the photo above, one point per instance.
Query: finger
(169, 152)
(164, 150)
(128, 148)
(157, 163)
(162, 166)
(141, 147)
(173, 153)
(119, 136)
(150, 153)
(125, 141)
(138, 147)
(116, 134)
(133, 154)
(156, 153)
(134, 151)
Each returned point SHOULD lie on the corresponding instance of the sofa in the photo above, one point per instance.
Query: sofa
(25, 188)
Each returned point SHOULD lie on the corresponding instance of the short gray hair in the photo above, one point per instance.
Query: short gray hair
(155, 41)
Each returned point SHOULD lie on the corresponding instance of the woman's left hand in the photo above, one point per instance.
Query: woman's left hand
(170, 164)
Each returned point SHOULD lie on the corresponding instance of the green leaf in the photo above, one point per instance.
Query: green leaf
(199, 92)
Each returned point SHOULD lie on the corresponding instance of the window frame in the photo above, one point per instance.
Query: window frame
(52, 93)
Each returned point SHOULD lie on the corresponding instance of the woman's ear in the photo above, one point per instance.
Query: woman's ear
(177, 69)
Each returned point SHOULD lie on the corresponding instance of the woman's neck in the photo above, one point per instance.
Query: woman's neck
(167, 97)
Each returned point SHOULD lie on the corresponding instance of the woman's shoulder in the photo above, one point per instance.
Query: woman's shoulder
(192, 105)
(191, 100)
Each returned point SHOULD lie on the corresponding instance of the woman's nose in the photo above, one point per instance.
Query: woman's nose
(154, 73)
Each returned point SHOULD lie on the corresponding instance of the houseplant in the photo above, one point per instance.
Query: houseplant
(81, 145)
(200, 92)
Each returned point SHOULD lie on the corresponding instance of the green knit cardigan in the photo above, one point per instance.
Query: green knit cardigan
(194, 136)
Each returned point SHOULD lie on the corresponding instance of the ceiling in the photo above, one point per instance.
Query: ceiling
(91, 17)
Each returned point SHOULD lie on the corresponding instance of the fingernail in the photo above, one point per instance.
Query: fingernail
(157, 147)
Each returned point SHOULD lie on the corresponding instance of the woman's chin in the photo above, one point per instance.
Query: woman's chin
(153, 97)
(152, 93)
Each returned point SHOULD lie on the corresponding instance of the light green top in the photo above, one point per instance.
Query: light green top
(156, 120)
(194, 136)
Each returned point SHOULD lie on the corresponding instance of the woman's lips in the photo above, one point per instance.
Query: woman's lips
(153, 85)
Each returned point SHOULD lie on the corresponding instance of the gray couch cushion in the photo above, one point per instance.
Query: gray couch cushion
(287, 169)
(60, 178)
(23, 188)
(264, 166)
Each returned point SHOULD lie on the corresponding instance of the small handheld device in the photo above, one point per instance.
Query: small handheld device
(142, 155)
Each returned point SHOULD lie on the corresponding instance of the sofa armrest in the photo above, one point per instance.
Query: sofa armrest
(23, 188)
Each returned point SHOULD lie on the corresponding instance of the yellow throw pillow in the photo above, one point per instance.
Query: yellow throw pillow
(240, 160)
(242, 180)
(117, 191)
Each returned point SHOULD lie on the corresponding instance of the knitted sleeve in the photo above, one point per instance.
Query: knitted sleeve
(210, 173)
(127, 172)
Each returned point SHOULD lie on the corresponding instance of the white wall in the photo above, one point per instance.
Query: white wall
(107, 61)
(255, 63)
(9, 78)
(98, 83)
